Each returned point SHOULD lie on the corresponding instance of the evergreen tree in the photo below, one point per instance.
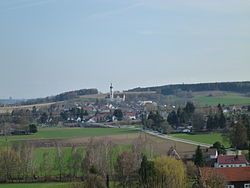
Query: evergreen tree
(198, 158)
(172, 118)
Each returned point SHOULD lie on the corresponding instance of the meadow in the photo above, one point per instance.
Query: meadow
(207, 138)
(225, 98)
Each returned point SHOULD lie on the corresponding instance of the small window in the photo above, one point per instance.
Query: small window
(247, 185)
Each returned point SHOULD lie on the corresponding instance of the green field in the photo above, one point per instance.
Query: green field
(62, 133)
(227, 99)
(37, 185)
(208, 138)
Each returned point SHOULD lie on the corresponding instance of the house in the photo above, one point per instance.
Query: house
(236, 177)
(173, 153)
(225, 161)
(211, 153)
(130, 115)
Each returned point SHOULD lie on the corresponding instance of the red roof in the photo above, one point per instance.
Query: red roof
(237, 174)
(232, 159)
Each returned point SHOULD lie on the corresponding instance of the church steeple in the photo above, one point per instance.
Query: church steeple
(111, 92)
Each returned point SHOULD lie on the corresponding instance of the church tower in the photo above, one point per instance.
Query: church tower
(111, 92)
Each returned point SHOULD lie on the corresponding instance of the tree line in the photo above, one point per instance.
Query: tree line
(240, 87)
(98, 164)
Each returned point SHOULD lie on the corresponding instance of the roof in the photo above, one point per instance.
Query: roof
(237, 174)
(232, 159)
(211, 151)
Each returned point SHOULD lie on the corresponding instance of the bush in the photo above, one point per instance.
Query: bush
(32, 128)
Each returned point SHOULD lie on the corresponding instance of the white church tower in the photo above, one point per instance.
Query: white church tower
(111, 92)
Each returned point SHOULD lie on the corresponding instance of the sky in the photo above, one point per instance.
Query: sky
(52, 46)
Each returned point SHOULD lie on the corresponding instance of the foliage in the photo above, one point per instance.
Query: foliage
(170, 173)
(241, 87)
(125, 168)
(198, 158)
(147, 172)
(118, 114)
(173, 119)
(238, 136)
(32, 128)
(212, 180)
(220, 148)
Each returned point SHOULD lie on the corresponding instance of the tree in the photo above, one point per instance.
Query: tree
(198, 121)
(249, 151)
(198, 158)
(125, 168)
(221, 117)
(210, 123)
(170, 173)
(74, 161)
(44, 118)
(211, 179)
(147, 172)
(220, 148)
(172, 118)
(157, 120)
(192, 170)
(189, 108)
(32, 128)
(46, 165)
(94, 181)
(60, 164)
(118, 114)
(238, 136)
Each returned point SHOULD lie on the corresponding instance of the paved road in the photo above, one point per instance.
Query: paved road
(178, 139)
(163, 136)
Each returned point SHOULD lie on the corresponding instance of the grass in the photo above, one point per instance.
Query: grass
(63, 133)
(227, 99)
(208, 138)
(37, 185)
(38, 156)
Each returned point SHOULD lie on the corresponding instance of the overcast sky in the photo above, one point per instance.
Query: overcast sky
(51, 46)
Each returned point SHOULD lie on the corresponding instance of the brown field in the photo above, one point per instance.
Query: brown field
(156, 145)
(9, 109)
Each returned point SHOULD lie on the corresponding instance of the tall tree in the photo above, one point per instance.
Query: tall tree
(238, 136)
(147, 173)
(198, 158)
(125, 168)
(173, 119)
(170, 173)
(189, 108)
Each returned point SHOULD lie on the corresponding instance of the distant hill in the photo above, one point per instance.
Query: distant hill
(61, 97)
(239, 87)
(10, 101)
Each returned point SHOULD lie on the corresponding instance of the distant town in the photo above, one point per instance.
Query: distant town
(206, 133)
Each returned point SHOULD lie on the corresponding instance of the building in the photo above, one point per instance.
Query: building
(116, 96)
(238, 177)
(226, 161)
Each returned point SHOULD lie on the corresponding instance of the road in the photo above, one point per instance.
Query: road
(177, 139)
(163, 136)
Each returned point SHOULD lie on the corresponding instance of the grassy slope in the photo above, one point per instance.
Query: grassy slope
(52, 133)
(209, 138)
(227, 99)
